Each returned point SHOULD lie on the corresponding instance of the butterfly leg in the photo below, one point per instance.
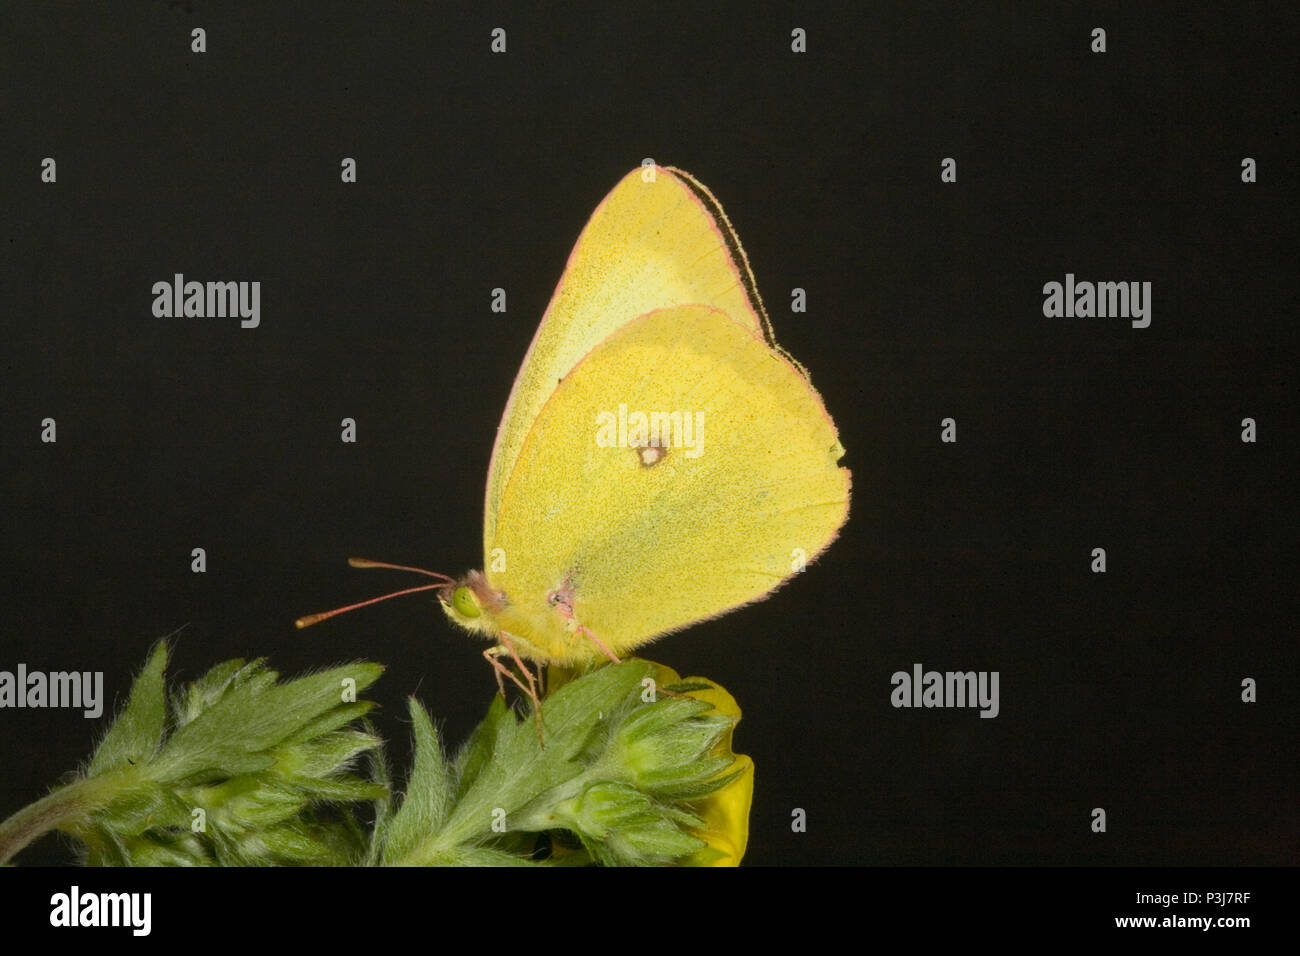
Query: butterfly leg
(608, 653)
(562, 600)
(491, 655)
(531, 689)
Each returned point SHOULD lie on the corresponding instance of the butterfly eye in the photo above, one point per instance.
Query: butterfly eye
(463, 601)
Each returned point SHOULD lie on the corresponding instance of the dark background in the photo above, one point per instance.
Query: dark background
(475, 171)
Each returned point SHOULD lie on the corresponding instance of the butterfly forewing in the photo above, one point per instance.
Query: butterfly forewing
(658, 239)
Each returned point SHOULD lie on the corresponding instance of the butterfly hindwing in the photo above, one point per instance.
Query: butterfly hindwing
(642, 541)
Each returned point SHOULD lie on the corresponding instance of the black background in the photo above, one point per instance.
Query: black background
(925, 301)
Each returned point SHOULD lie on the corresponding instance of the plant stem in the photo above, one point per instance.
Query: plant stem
(64, 808)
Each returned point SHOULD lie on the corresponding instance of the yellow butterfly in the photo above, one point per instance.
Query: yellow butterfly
(660, 460)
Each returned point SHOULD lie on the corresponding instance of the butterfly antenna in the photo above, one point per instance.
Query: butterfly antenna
(443, 581)
(367, 563)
